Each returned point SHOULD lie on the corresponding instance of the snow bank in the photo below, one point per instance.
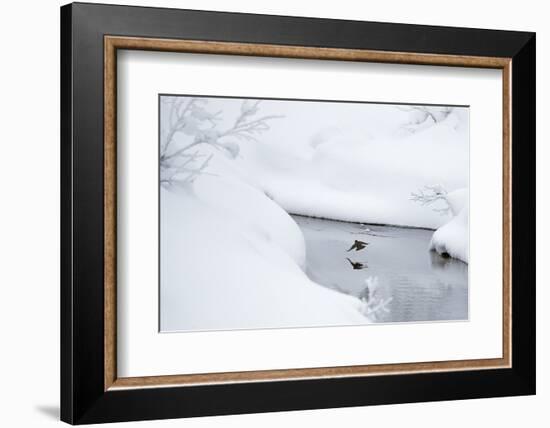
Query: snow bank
(355, 175)
(356, 162)
(244, 252)
(452, 238)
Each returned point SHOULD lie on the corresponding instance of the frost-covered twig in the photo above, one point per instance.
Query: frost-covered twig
(191, 118)
(373, 303)
(245, 128)
(375, 307)
(428, 195)
(421, 117)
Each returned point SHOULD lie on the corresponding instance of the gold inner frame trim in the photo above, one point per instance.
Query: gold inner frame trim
(113, 43)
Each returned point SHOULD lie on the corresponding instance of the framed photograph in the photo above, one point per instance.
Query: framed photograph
(265, 213)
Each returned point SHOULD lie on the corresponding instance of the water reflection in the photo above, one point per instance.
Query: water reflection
(390, 270)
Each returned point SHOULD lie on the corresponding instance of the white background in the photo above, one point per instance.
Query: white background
(29, 216)
(144, 352)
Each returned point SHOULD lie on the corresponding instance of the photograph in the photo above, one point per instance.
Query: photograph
(290, 213)
(261, 213)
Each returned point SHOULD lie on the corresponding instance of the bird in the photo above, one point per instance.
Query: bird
(356, 265)
(358, 245)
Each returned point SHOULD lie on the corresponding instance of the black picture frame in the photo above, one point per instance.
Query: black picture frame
(83, 396)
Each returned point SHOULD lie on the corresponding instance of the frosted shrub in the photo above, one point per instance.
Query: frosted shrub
(183, 159)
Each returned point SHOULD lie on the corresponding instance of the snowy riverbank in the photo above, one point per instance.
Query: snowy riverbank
(452, 238)
(237, 245)
(353, 174)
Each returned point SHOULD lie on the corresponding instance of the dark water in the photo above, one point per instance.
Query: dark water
(395, 275)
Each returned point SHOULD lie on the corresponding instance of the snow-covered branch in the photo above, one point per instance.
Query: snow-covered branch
(244, 127)
(199, 127)
(429, 195)
(422, 117)
(373, 303)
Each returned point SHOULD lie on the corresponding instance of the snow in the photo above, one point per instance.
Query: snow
(452, 238)
(228, 229)
(239, 247)
(362, 171)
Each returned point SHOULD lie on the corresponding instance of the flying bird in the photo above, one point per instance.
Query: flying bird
(356, 265)
(358, 245)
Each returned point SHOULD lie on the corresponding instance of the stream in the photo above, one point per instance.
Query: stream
(389, 268)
